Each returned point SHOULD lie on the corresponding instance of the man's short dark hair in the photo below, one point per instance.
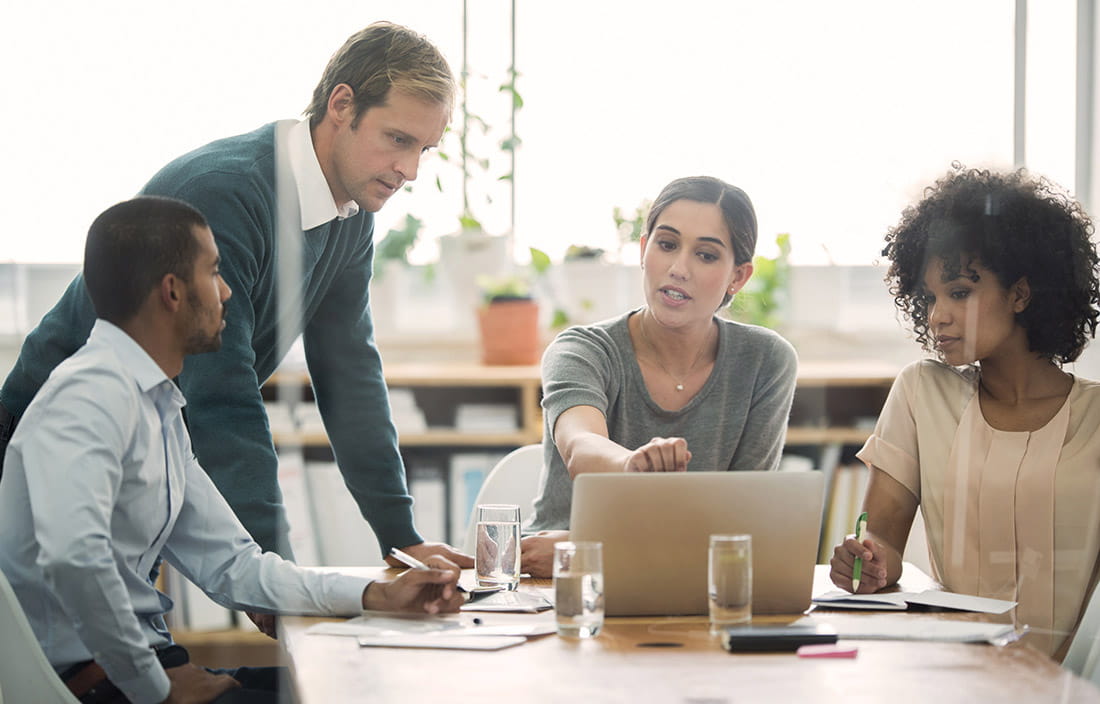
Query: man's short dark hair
(131, 246)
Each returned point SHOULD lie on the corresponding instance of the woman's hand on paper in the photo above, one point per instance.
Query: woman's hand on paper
(660, 455)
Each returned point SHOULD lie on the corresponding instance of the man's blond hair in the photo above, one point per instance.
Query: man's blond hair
(380, 57)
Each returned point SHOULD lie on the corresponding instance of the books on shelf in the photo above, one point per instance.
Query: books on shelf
(298, 506)
(343, 536)
(486, 418)
(429, 492)
(407, 416)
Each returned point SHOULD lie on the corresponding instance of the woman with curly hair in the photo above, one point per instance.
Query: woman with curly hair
(997, 444)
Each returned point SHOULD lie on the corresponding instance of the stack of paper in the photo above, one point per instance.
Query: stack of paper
(486, 418)
(900, 601)
(897, 627)
(407, 416)
(449, 631)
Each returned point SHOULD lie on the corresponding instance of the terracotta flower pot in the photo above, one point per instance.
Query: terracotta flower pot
(509, 332)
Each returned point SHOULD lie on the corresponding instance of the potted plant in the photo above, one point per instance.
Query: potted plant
(388, 285)
(761, 301)
(508, 320)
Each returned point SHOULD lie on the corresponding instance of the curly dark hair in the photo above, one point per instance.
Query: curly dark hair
(1016, 225)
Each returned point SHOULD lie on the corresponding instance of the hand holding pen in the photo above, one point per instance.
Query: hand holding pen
(431, 588)
(855, 563)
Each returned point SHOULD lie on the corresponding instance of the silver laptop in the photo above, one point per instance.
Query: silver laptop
(655, 529)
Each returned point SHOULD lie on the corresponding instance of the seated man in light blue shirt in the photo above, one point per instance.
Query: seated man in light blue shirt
(100, 479)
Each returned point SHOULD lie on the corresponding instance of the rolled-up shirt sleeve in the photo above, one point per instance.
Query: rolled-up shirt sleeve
(893, 446)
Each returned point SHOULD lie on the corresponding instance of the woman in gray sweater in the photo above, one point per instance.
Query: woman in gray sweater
(668, 387)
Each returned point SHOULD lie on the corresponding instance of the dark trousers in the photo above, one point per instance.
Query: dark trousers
(259, 685)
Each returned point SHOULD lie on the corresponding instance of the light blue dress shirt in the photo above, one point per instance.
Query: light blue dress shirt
(98, 480)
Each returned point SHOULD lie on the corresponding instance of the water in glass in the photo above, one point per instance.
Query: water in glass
(578, 601)
(498, 554)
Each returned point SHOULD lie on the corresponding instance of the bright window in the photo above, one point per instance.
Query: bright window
(830, 115)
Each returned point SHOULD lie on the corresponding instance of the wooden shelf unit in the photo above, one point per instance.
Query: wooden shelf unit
(830, 398)
(471, 381)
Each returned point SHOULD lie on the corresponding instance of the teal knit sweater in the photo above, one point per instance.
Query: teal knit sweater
(231, 181)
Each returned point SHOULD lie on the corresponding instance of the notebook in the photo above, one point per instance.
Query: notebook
(655, 530)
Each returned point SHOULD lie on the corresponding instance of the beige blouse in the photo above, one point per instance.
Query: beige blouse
(1009, 515)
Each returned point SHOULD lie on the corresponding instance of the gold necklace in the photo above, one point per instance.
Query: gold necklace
(657, 357)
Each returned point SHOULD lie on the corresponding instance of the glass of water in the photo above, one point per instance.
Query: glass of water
(578, 589)
(729, 581)
(497, 555)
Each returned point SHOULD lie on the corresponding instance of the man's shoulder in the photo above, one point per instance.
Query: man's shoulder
(93, 375)
(244, 163)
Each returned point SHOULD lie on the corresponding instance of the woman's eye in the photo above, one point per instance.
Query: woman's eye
(707, 256)
(667, 245)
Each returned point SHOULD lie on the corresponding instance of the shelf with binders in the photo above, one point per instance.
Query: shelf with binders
(436, 405)
(454, 422)
(836, 405)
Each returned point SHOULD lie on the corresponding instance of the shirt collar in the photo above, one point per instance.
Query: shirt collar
(314, 195)
(146, 372)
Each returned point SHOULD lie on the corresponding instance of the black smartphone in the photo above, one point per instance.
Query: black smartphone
(742, 639)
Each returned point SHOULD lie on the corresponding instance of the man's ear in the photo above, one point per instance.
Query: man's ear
(171, 292)
(341, 104)
(1021, 295)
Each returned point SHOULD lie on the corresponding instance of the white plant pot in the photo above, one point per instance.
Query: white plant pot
(463, 257)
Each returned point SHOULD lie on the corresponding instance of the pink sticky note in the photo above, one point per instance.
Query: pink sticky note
(828, 650)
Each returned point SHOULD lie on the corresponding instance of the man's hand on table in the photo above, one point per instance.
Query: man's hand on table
(422, 551)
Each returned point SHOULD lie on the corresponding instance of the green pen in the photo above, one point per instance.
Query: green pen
(857, 568)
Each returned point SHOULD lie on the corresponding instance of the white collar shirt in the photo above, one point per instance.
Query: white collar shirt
(315, 199)
(99, 480)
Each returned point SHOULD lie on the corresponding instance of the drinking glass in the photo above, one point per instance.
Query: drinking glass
(578, 588)
(497, 556)
(729, 581)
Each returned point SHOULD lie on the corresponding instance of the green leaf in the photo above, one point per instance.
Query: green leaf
(469, 222)
(560, 319)
(540, 260)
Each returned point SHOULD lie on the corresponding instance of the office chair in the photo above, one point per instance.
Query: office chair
(514, 480)
(1083, 657)
(25, 673)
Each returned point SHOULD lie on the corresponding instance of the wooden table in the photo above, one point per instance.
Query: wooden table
(624, 665)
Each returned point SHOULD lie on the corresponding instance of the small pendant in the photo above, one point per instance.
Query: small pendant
(679, 387)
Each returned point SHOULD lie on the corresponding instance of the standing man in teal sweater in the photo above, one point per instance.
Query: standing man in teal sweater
(384, 99)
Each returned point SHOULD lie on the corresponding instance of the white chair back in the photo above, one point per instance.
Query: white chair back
(514, 480)
(1083, 657)
(25, 673)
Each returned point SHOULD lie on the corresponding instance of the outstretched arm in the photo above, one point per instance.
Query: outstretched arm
(581, 437)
